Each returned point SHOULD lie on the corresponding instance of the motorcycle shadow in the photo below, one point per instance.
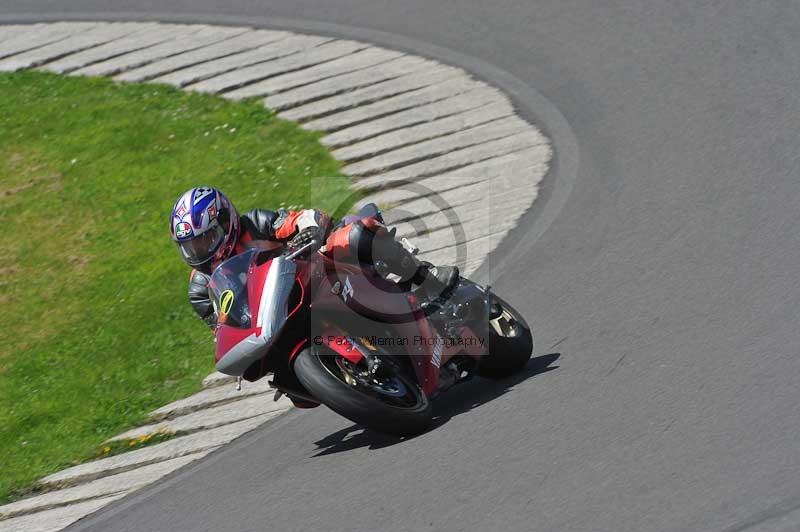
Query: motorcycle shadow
(459, 400)
(478, 392)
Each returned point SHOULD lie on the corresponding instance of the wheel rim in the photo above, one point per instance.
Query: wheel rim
(508, 324)
(390, 385)
(393, 389)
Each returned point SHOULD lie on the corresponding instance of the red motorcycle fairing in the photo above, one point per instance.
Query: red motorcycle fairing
(350, 349)
(227, 338)
(297, 348)
(327, 290)
(342, 345)
(263, 293)
(366, 294)
(361, 292)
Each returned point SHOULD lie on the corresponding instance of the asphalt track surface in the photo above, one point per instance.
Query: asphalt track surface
(660, 268)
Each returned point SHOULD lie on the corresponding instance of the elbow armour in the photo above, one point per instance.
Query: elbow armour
(200, 298)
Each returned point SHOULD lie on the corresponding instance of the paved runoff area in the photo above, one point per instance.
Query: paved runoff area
(443, 154)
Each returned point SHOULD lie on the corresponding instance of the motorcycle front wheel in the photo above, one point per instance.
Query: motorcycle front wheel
(510, 342)
(389, 402)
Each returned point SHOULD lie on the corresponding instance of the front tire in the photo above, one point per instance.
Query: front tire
(510, 343)
(401, 409)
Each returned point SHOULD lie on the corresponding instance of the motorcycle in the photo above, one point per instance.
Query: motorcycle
(344, 336)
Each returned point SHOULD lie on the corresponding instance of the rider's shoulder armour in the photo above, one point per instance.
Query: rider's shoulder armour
(259, 224)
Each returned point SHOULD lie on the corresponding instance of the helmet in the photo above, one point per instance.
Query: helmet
(205, 225)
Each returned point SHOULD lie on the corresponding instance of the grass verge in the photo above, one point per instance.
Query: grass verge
(97, 330)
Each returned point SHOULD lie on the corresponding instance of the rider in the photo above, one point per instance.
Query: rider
(207, 229)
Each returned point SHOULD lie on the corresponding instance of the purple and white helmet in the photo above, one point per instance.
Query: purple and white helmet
(205, 225)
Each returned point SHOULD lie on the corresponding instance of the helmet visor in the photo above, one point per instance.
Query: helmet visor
(202, 247)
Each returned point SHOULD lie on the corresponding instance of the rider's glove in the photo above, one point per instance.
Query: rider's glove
(306, 236)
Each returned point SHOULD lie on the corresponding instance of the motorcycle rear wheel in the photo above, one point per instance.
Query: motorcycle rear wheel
(395, 405)
(510, 343)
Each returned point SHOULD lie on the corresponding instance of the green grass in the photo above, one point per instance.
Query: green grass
(96, 327)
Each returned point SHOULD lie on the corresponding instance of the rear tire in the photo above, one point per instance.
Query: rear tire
(315, 368)
(510, 344)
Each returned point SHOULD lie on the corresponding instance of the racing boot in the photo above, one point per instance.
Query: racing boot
(430, 281)
(435, 281)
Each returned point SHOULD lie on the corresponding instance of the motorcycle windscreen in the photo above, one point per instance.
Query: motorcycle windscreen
(228, 287)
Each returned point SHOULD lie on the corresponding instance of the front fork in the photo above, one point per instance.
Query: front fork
(454, 365)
